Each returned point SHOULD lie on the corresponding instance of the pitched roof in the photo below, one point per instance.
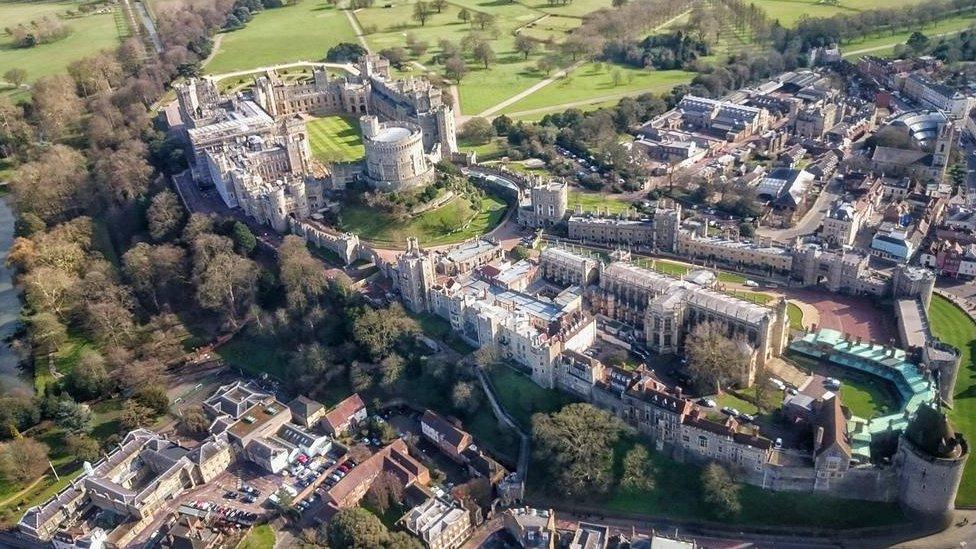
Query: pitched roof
(304, 407)
(451, 434)
(831, 418)
(344, 411)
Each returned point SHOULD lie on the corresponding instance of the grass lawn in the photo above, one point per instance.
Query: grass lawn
(732, 401)
(594, 81)
(486, 151)
(953, 326)
(436, 327)
(90, 34)
(677, 494)
(254, 355)
(866, 398)
(883, 43)
(336, 138)
(453, 222)
(591, 201)
(796, 316)
(730, 278)
(521, 397)
(758, 298)
(260, 537)
(788, 12)
(303, 32)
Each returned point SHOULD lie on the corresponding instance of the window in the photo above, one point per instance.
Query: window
(702, 441)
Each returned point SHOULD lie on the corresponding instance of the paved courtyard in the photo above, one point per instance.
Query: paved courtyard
(858, 316)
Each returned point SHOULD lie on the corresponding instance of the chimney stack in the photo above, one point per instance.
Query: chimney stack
(818, 439)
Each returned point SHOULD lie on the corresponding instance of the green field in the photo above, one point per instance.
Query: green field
(303, 32)
(884, 43)
(593, 82)
(866, 398)
(796, 316)
(591, 201)
(953, 326)
(90, 34)
(336, 138)
(260, 537)
(521, 397)
(453, 222)
(788, 12)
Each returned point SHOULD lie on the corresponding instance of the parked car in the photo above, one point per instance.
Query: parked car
(729, 411)
(778, 443)
(777, 383)
(751, 284)
(747, 418)
(707, 402)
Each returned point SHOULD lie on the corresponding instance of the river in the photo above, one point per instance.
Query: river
(11, 375)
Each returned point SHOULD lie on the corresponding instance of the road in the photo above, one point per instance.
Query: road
(342, 66)
(358, 29)
(811, 220)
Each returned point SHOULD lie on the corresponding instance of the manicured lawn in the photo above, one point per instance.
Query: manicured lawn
(552, 27)
(677, 494)
(866, 398)
(303, 32)
(788, 12)
(90, 34)
(796, 316)
(336, 138)
(260, 537)
(521, 397)
(954, 327)
(455, 221)
(758, 298)
(730, 278)
(594, 81)
(593, 201)
(886, 42)
(485, 151)
(732, 401)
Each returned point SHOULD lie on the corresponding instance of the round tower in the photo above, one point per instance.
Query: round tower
(931, 456)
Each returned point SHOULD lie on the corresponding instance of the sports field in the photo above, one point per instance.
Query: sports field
(303, 32)
(453, 222)
(90, 34)
(335, 138)
(952, 325)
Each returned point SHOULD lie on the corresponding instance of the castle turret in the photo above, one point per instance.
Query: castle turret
(931, 457)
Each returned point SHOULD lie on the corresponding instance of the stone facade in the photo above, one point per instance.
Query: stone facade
(395, 156)
(547, 204)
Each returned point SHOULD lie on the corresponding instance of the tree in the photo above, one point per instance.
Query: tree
(345, 52)
(244, 239)
(23, 459)
(918, 42)
(89, 378)
(155, 398)
(396, 55)
(227, 284)
(616, 77)
(165, 215)
(73, 417)
(439, 5)
(483, 20)
(477, 130)
(377, 331)
(385, 492)
(714, 360)
(618, 3)
(639, 470)
(575, 448)
(356, 528)
(156, 273)
(455, 67)
(302, 276)
(484, 53)
(194, 422)
(47, 333)
(544, 65)
(525, 45)
(54, 186)
(15, 76)
(422, 12)
(465, 396)
(720, 491)
(135, 415)
(57, 107)
(82, 447)
(464, 15)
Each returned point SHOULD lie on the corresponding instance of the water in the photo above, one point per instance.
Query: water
(11, 375)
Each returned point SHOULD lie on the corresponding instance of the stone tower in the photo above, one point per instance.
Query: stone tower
(943, 146)
(415, 277)
(296, 143)
(930, 460)
(913, 281)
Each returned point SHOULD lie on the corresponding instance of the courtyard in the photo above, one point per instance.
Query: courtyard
(335, 138)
